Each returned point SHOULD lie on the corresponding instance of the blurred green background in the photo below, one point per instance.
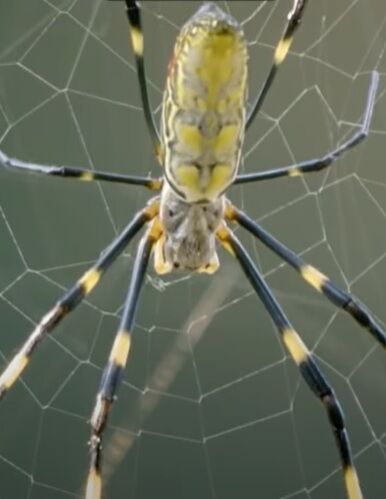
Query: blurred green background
(211, 407)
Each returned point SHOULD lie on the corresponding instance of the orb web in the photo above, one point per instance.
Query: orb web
(211, 405)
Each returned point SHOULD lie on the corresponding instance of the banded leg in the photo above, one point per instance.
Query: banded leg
(112, 374)
(73, 297)
(281, 51)
(79, 173)
(315, 165)
(302, 357)
(312, 276)
(134, 17)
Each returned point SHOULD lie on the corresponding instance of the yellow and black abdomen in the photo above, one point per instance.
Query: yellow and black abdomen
(203, 115)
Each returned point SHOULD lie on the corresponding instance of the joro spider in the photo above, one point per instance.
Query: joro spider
(204, 120)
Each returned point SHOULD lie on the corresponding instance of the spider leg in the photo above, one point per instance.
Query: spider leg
(302, 357)
(312, 276)
(112, 374)
(318, 164)
(74, 296)
(294, 18)
(79, 173)
(134, 17)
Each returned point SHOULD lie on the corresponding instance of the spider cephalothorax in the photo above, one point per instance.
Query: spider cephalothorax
(189, 239)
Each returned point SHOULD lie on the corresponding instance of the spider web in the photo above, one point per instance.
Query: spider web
(211, 406)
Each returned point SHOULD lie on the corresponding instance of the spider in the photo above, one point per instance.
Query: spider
(204, 120)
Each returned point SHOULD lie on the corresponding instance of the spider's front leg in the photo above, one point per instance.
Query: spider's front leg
(318, 164)
(294, 18)
(77, 173)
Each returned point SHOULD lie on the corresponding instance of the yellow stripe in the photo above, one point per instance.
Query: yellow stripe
(352, 483)
(298, 350)
(89, 280)
(137, 41)
(94, 485)
(282, 50)
(13, 371)
(313, 276)
(121, 348)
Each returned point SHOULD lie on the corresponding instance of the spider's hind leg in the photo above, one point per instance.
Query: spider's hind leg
(302, 357)
(113, 372)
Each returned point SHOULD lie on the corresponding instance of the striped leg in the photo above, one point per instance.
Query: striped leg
(79, 173)
(302, 357)
(134, 17)
(112, 374)
(315, 165)
(74, 296)
(282, 48)
(312, 276)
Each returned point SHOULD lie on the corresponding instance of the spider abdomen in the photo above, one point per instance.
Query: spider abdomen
(203, 115)
(188, 240)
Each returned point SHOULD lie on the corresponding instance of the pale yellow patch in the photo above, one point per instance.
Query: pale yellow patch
(160, 265)
(13, 371)
(226, 140)
(295, 172)
(137, 41)
(156, 230)
(94, 485)
(352, 483)
(295, 346)
(121, 349)
(87, 176)
(313, 277)
(219, 179)
(190, 138)
(152, 209)
(188, 176)
(156, 184)
(223, 234)
(230, 211)
(213, 266)
(217, 63)
(89, 280)
(282, 50)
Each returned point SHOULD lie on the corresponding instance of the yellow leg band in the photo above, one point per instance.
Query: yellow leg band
(13, 371)
(295, 346)
(94, 485)
(121, 348)
(352, 483)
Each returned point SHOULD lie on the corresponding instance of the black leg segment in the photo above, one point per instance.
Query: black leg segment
(315, 165)
(302, 357)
